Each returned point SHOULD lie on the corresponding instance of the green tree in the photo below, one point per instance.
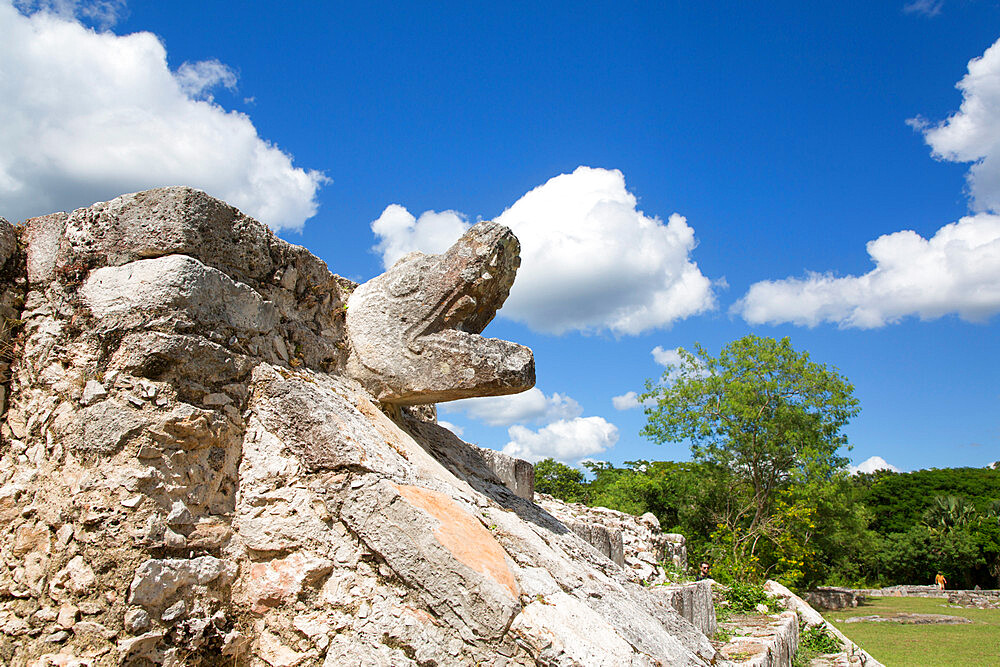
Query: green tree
(765, 415)
(560, 480)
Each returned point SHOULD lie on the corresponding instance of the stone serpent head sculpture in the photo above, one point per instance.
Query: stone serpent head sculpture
(414, 330)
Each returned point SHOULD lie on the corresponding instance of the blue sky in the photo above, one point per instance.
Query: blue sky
(677, 173)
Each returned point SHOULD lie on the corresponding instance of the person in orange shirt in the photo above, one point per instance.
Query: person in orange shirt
(940, 581)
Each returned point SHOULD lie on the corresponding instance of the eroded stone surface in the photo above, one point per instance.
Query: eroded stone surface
(693, 601)
(188, 474)
(636, 543)
(415, 329)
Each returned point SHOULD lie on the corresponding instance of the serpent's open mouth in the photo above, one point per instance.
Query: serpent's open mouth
(415, 329)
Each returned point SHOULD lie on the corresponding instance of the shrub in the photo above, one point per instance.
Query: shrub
(744, 598)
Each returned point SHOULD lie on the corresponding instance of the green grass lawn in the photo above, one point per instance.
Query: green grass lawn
(976, 643)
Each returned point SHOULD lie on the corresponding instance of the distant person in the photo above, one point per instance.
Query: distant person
(940, 581)
(703, 572)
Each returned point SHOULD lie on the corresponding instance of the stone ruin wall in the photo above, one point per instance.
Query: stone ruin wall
(635, 543)
(202, 463)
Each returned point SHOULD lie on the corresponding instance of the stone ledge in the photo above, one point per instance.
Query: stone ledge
(772, 642)
(692, 601)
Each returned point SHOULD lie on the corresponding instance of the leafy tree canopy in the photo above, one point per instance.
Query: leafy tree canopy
(560, 480)
(760, 415)
(760, 409)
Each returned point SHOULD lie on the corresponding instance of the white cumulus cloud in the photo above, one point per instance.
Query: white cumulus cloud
(400, 232)
(972, 134)
(87, 115)
(627, 401)
(630, 400)
(666, 357)
(871, 464)
(955, 271)
(531, 406)
(565, 440)
(590, 259)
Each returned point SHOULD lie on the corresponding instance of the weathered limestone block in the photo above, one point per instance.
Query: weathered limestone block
(189, 363)
(314, 421)
(157, 581)
(142, 225)
(692, 601)
(102, 428)
(280, 581)
(561, 630)
(833, 597)
(414, 330)
(125, 296)
(606, 540)
(771, 644)
(463, 573)
(42, 237)
(516, 474)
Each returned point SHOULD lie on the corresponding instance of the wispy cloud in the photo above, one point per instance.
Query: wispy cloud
(924, 7)
(198, 79)
(101, 14)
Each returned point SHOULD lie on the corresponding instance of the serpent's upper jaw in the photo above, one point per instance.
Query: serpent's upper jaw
(415, 329)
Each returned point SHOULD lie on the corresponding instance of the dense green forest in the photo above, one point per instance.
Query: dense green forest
(863, 530)
(767, 493)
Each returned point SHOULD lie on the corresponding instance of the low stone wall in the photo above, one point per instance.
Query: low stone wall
(904, 591)
(643, 547)
(851, 655)
(832, 598)
(922, 592)
(978, 599)
(692, 601)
